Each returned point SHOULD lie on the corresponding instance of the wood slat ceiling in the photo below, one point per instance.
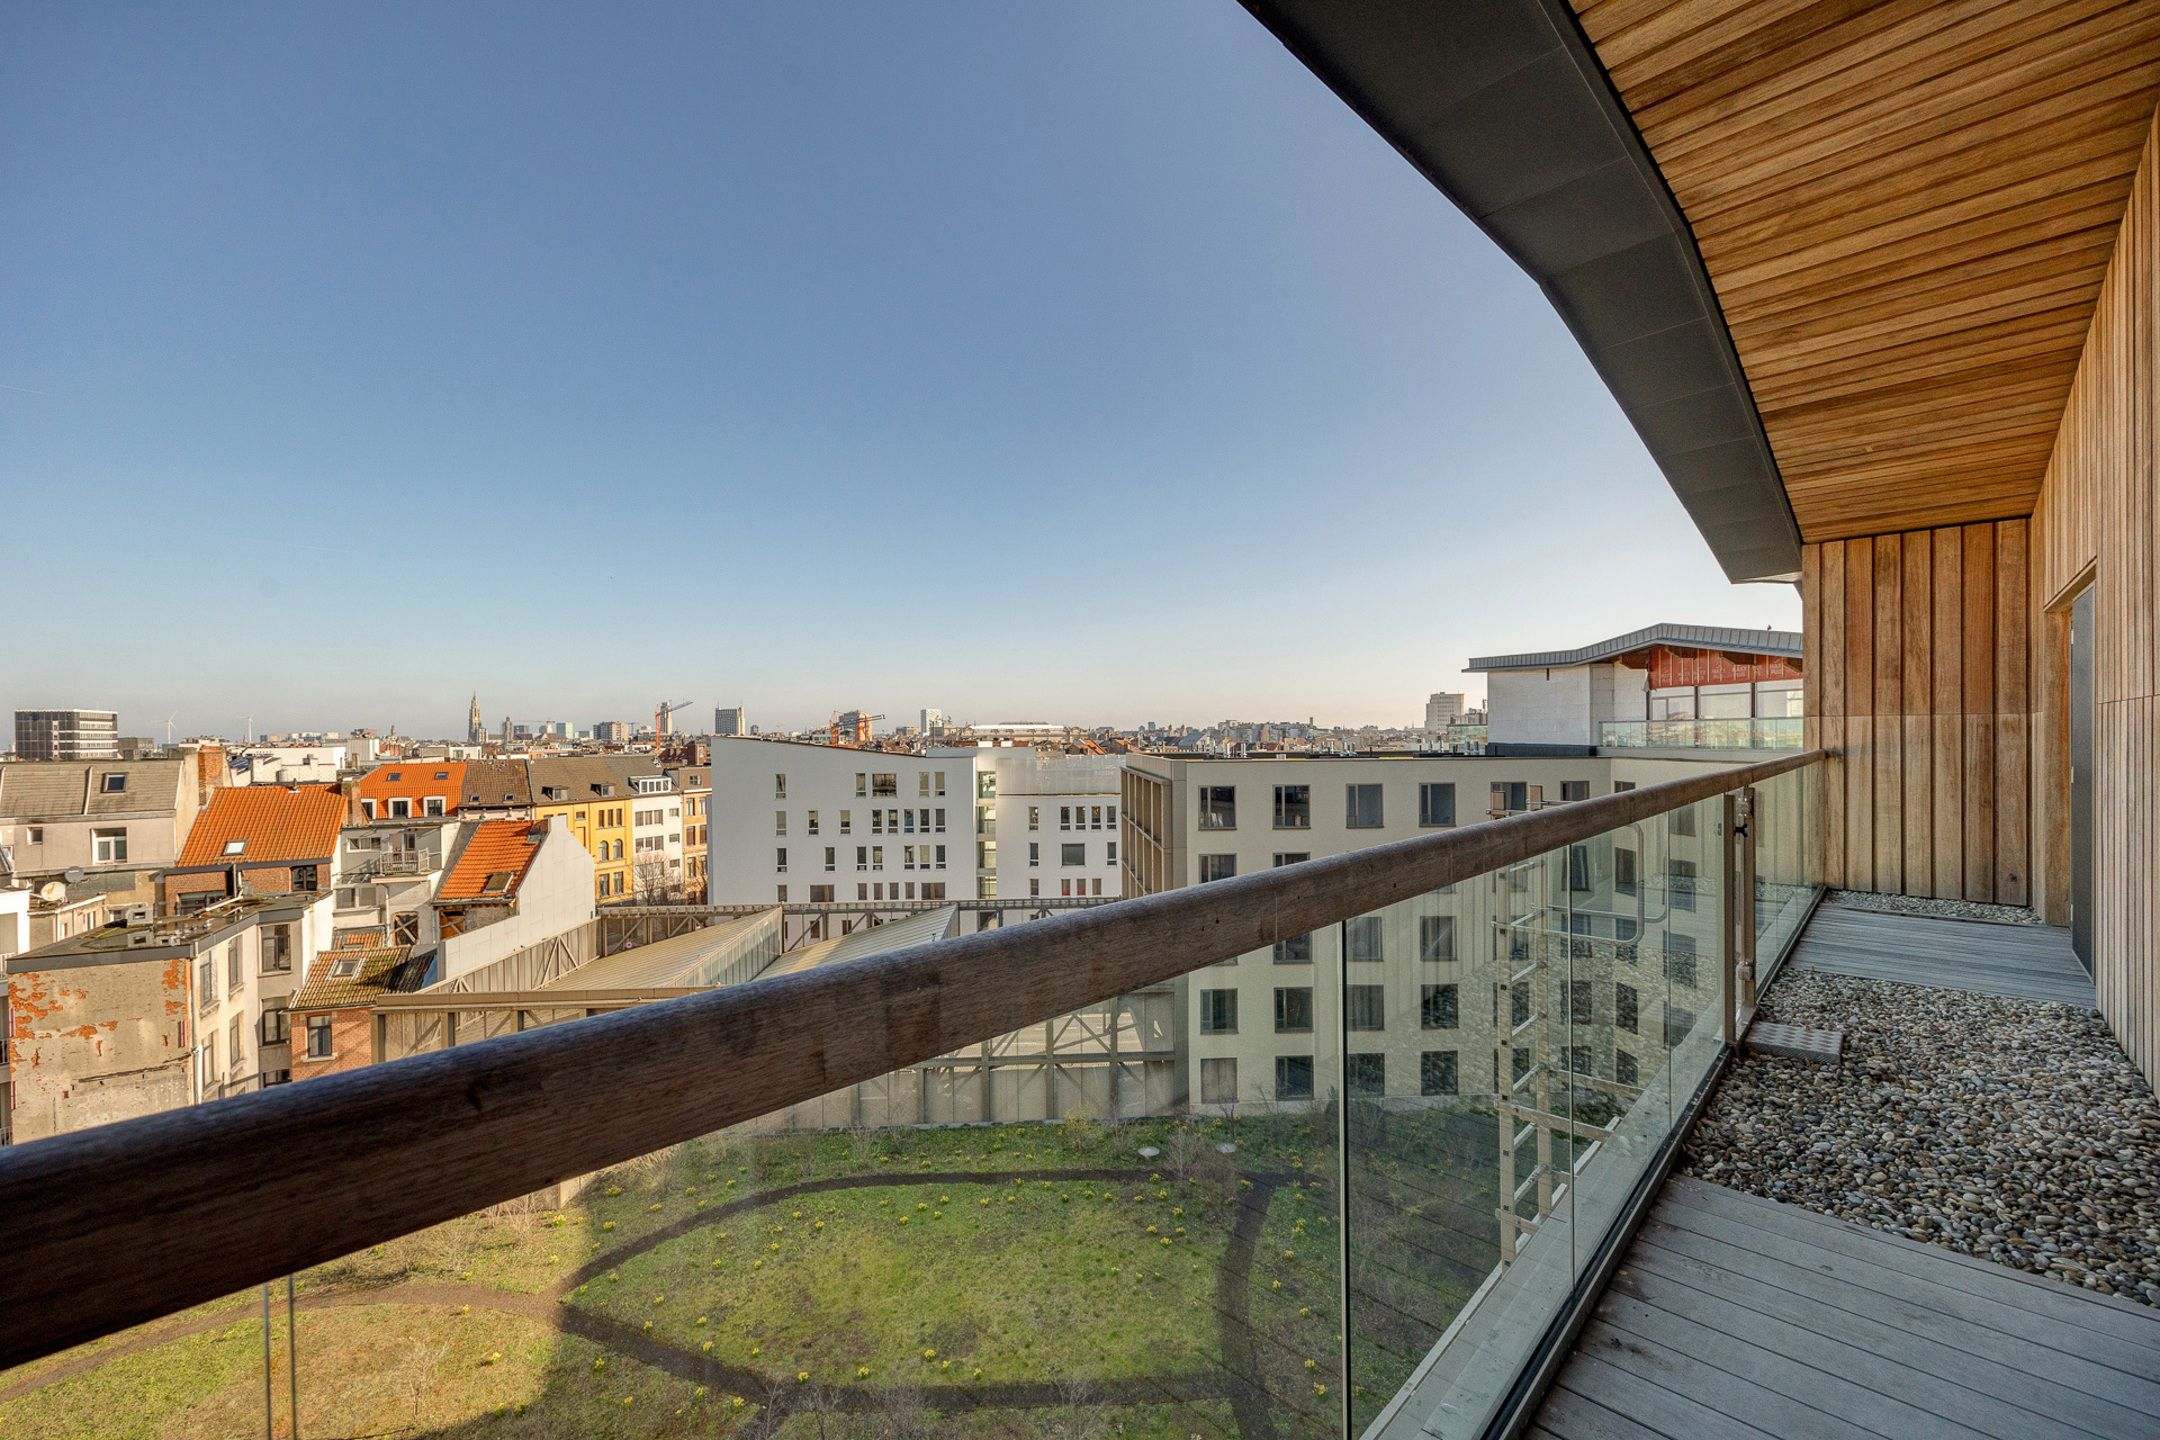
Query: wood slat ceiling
(1906, 209)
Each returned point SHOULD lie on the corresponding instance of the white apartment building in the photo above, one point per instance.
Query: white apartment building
(285, 764)
(1567, 698)
(1417, 1004)
(820, 823)
(656, 838)
(1442, 709)
(1048, 827)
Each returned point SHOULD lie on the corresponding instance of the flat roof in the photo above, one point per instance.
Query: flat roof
(1782, 643)
(697, 957)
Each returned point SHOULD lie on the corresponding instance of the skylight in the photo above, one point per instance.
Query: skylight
(497, 882)
(345, 969)
(235, 847)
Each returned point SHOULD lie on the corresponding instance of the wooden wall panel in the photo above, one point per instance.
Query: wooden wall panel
(1922, 657)
(2096, 524)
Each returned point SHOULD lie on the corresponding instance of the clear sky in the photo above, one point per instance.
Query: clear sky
(1082, 361)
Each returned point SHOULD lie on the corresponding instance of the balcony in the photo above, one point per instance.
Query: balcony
(1780, 733)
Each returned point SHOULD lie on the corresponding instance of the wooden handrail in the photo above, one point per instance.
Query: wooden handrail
(123, 1223)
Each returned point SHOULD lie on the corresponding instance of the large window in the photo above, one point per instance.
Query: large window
(109, 847)
(1365, 1074)
(1436, 1072)
(1291, 857)
(1580, 1011)
(277, 949)
(1624, 1008)
(1436, 937)
(1574, 790)
(1217, 867)
(1072, 854)
(885, 784)
(1218, 1012)
(1364, 933)
(1218, 807)
(1436, 804)
(1680, 967)
(1362, 811)
(1293, 1009)
(1218, 1082)
(1683, 881)
(318, 1037)
(1364, 1007)
(1293, 807)
(1439, 1008)
(1293, 1077)
(276, 1023)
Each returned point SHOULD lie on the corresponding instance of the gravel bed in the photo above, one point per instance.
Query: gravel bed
(1940, 909)
(2012, 1130)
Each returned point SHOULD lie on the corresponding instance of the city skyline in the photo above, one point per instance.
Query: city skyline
(381, 356)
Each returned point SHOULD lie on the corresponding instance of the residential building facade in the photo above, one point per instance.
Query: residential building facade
(67, 735)
(98, 817)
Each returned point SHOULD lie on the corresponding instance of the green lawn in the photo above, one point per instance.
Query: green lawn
(957, 1285)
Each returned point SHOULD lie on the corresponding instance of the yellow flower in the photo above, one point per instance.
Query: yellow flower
(819, 1225)
(626, 1402)
(599, 1365)
(699, 1321)
(922, 1205)
(929, 1354)
(984, 1201)
(739, 1402)
(903, 1219)
(802, 1376)
(944, 1199)
(614, 1189)
(1274, 1284)
(699, 1393)
(862, 1372)
(795, 1214)
(1318, 1389)
(652, 1209)
(1166, 1239)
(1151, 1230)
(1289, 1254)
(1304, 1312)
(758, 1264)
(494, 1357)
(659, 1299)
(756, 1350)
(607, 1225)
(706, 1347)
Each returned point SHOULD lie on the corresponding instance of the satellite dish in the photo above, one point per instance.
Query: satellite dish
(52, 892)
(73, 875)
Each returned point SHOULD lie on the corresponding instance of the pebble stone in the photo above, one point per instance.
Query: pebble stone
(2013, 1130)
(1941, 909)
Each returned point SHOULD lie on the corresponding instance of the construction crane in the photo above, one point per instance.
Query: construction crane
(851, 728)
(663, 720)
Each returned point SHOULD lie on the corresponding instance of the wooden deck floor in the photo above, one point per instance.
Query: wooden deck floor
(1737, 1316)
(2025, 962)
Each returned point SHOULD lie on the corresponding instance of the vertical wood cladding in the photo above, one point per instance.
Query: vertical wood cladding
(1918, 643)
(2095, 525)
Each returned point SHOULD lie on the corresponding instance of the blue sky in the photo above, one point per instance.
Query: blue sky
(1080, 361)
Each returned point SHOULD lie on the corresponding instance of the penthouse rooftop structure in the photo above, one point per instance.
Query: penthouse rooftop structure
(1876, 286)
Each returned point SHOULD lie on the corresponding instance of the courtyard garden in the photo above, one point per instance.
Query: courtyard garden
(1149, 1278)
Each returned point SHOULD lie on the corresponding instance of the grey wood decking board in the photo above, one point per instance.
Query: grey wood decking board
(2027, 962)
(1649, 1404)
(2121, 1370)
(1923, 1404)
(1732, 1315)
(2053, 1299)
(1801, 1366)
(1739, 1399)
(1987, 1384)
(1913, 1334)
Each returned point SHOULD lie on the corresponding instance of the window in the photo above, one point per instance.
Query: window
(1094, 817)
(941, 857)
(1439, 1008)
(847, 822)
(877, 857)
(781, 894)
(1620, 786)
(1623, 1068)
(862, 857)
(233, 979)
(1293, 1010)
(1580, 1060)
(821, 894)
(1297, 950)
(831, 855)
(1683, 881)
(37, 834)
(1521, 1067)
(1518, 1002)
(939, 788)
(318, 1037)
(1293, 807)
(1365, 1074)
(1218, 807)
(108, 847)
(1436, 937)
(1436, 804)
(1623, 871)
(1293, 1077)
(1034, 889)
(1218, 1012)
(206, 981)
(862, 782)
(1217, 867)
(886, 784)
(1072, 854)
(401, 809)
(1624, 1007)
(922, 782)
(940, 819)
(1364, 1007)
(780, 859)
(433, 806)
(232, 1043)
(235, 847)
(810, 822)
(276, 1024)
(1218, 1082)
(1578, 868)
(1110, 853)
(1579, 1008)
(277, 950)
(1680, 967)
(1364, 937)
(1064, 817)
(1679, 1023)
(1574, 789)
(1681, 821)
(113, 782)
(1363, 808)
(779, 822)
(1034, 852)
(1436, 1072)
(1291, 857)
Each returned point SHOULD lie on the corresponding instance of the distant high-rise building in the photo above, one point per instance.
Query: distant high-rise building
(67, 734)
(1443, 709)
(728, 720)
(612, 732)
(933, 720)
(475, 727)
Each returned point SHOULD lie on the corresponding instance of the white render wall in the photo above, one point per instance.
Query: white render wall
(555, 896)
(742, 851)
(1052, 802)
(1563, 705)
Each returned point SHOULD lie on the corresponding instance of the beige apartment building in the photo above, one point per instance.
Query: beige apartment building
(97, 816)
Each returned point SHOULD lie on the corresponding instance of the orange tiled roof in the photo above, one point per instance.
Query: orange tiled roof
(413, 780)
(281, 824)
(496, 847)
